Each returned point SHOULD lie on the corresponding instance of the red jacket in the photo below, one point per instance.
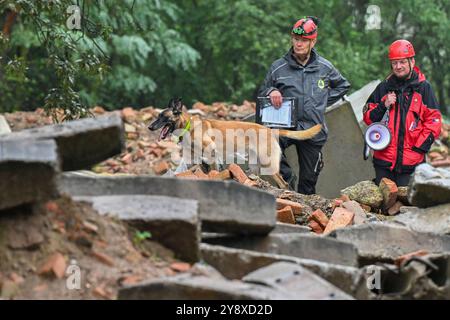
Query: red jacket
(414, 121)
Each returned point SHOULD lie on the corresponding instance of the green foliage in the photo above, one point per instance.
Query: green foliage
(143, 52)
(140, 237)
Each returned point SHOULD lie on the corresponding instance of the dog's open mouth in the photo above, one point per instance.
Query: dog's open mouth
(164, 132)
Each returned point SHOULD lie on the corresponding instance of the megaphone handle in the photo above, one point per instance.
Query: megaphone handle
(366, 151)
(385, 119)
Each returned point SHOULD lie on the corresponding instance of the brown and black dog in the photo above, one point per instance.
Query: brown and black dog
(264, 144)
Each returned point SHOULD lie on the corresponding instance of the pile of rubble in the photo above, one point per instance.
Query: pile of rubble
(223, 223)
(439, 155)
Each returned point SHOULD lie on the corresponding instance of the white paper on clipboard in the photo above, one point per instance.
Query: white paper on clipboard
(277, 116)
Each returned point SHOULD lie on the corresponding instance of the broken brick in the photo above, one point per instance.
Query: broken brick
(103, 258)
(344, 198)
(341, 218)
(180, 266)
(297, 208)
(127, 159)
(319, 217)
(128, 113)
(441, 163)
(200, 174)
(237, 173)
(403, 258)
(286, 215)
(55, 265)
(389, 190)
(392, 211)
(161, 167)
(186, 174)
(315, 227)
(213, 174)
(250, 183)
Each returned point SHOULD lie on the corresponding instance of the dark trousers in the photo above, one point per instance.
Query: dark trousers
(400, 179)
(310, 160)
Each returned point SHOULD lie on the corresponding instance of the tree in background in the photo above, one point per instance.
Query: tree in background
(144, 52)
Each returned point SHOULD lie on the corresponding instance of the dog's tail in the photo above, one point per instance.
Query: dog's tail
(301, 135)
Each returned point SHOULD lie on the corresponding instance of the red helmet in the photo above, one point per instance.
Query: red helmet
(306, 28)
(401, 49)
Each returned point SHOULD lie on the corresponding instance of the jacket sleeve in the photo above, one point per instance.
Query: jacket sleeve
(339, 86)
(375, 109)
(269, 84)
(431, 120)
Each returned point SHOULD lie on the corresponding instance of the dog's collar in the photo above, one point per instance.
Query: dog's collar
(186, 129)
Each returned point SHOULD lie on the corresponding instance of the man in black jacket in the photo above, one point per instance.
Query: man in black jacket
(316, 83)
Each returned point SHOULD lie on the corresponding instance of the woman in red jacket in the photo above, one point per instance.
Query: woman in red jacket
(414, 119)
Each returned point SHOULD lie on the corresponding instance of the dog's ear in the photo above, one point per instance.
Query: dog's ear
(177, 106)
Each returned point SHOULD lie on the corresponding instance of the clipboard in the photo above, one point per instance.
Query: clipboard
(284, 117)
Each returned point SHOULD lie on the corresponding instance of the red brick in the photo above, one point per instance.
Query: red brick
(161, 167)
(213, 174)
(344, 198)
(286, 215)
(128, 113)
(341, 218)
(405, 257)
(319, 217)
(315, 226)
(389, 190)
(297, 208)
(55, 265)
(441, 163)
(392, 211)
(250, 183)
(435, 156)
(103, 258)
(186, 174)
(127, 159)
(180, 266)
(237, 173)
(200, 174)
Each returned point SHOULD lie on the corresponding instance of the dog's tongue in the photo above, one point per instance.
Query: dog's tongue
(163, 133)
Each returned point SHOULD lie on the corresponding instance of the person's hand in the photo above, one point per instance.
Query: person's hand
(276, 98)
(390, 100)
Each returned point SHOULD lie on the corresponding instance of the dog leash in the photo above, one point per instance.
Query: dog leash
(186, 129)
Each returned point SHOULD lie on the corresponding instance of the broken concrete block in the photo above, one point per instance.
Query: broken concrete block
(189, 287)
(290, 228)
(389, 190)
(305, 246)
(224, 206)
(286, 215)
(385, 242)
(195, 287)
(433, 219)
(365, 192)
(360, 215)
(28, 172)
(429, 186)
(81, 143)
(298, 281)
(171, 221)
(341, 218)
(236, 263)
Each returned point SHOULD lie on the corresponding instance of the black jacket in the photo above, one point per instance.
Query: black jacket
(316, 85)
